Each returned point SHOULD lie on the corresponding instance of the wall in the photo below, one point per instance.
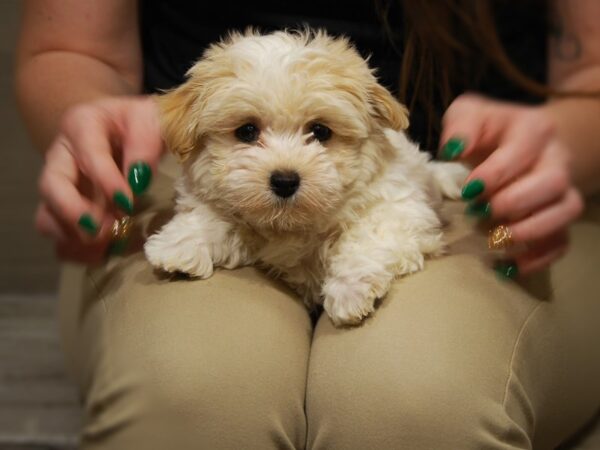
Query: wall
(27, 263)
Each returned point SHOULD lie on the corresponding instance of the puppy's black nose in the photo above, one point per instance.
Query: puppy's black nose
(284, 184)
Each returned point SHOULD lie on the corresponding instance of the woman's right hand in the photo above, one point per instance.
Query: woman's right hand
(103, 155)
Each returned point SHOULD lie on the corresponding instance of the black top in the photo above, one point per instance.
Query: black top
(176, 32)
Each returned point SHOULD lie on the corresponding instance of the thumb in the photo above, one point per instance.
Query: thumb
(472, 128)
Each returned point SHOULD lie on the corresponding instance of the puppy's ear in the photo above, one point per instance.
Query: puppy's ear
(179, 132)
(388, 111)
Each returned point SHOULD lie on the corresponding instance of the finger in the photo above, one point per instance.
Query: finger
(47, 225)
(142, 145)
(543, 253)
(530, 193)
(92, 252)
(550, 220)
(68, 247)
(461, 128)
(89, 254)
(81, 217)
(519, 150)
(92, 148)
(472, 128)
(86, 251)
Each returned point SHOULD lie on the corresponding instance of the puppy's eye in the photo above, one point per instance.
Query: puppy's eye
(247, 133)
(320, 132)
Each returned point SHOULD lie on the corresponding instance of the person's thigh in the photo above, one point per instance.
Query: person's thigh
(176, 363)
(456, 358)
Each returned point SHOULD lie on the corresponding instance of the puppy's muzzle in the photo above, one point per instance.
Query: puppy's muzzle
(284, 184)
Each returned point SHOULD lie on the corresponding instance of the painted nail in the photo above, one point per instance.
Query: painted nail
(472, 189)
(452, 148)
(483, 210)
(139, 177)
(123, 202)
(507, 270)
(118, 247)
(87, 224)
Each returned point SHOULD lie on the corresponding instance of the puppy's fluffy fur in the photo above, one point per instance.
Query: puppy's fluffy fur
(365, 208)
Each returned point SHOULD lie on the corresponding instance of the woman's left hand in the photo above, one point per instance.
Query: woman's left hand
(520, 178)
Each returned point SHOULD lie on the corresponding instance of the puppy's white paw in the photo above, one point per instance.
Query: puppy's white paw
(185, 257)
(450, 177)
(348, 302)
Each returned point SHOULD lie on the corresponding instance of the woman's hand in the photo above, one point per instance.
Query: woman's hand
(521, 175)
(104, 154)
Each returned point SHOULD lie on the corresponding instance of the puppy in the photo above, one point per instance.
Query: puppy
(294, 159)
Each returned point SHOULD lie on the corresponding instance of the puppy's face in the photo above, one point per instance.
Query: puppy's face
(278, 130)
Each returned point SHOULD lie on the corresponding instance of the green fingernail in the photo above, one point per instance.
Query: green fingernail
(483, 210)
(452, 148)
(139, 177)
(118, 247)
(472, 189)
(507, 270)
(87, 224)
(123, 202)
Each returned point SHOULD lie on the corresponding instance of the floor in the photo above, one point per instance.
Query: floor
(38, 405)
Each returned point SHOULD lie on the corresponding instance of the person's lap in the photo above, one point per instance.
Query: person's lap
(456, 358)
(453, 357)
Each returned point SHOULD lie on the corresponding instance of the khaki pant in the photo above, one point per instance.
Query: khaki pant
(453, 358)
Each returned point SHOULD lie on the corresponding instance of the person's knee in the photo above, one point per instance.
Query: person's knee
(218, 363)
(195, 394)
(416, 409)
(429, 371)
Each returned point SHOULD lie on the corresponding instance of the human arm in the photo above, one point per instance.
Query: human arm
(70, 52)
(574, 65)
(78, 65)
(532, 160)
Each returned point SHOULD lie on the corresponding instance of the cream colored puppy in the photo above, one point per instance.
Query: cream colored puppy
(294, 159)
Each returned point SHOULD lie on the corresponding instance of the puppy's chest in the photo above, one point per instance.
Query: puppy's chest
(299, 260)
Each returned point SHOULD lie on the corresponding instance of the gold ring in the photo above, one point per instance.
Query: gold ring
(121, 228)
(500, 238)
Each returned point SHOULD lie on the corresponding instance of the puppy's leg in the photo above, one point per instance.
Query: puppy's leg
(195, 241)
(392, 241)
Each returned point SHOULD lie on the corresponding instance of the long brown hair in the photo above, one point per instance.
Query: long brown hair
(436, 35)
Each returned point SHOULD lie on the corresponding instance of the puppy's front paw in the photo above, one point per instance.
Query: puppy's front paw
(348, 302)
(185, 257)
